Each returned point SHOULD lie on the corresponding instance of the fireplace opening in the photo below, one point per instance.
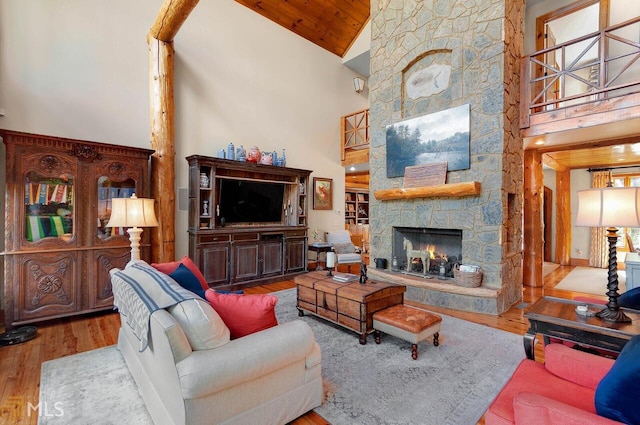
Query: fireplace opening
(426, 252)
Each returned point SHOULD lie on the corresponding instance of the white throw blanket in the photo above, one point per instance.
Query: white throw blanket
(139, 290)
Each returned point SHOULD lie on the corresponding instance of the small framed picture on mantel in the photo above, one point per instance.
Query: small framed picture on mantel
(322, 193)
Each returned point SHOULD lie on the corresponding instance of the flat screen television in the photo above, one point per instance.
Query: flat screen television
(246, 201)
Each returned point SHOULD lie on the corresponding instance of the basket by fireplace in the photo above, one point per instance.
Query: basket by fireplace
(468, 279)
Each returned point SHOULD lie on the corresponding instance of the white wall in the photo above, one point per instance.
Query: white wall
(79, 69)
(533, 10)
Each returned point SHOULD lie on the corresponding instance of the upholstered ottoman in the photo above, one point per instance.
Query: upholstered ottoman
(408, 323)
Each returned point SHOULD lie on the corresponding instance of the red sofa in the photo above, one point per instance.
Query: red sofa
(561, 391)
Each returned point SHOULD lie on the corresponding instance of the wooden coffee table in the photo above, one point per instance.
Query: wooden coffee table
(557, 318)
(350, 305)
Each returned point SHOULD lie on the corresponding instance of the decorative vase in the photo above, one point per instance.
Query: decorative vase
(253, 155)
(205, 208)
(241, 154)
(231, 151)
(204, 180)
(266, 158)
(283, 159)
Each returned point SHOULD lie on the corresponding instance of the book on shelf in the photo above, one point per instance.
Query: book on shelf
(42, 194)
(344, 277)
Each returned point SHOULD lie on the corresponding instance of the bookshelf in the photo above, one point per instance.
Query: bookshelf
(356, 208)
(58, 250)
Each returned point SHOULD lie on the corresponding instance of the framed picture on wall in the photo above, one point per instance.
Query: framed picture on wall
(322, 193)
(439, 137)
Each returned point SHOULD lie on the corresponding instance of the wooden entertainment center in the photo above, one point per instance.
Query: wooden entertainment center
(231, 250)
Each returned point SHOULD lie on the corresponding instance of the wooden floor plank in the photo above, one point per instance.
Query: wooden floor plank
(20, 364)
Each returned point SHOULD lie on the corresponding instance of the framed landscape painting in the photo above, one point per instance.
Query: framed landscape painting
(322, 193)
(439, 137)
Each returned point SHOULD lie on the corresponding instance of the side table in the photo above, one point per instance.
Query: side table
(557, 318)
(318, 249)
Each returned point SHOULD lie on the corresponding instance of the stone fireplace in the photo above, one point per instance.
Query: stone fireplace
(426, 252)
(480, 45)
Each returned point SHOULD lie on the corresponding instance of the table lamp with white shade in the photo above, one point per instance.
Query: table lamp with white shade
(610, 207)
(134, 213)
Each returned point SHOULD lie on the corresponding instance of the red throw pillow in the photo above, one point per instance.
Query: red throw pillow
(244, 314)
(170, 267)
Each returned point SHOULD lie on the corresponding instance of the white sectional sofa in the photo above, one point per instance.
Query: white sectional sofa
(190, 372)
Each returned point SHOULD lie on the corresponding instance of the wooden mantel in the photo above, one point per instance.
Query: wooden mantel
(451, 190)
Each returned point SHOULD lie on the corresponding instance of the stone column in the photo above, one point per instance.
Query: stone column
(430, 56)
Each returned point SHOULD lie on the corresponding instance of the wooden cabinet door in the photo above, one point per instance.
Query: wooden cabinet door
(100, 292)
(271, 256)
(296, 254)
(245, 260)
(48, 285)
(214, 260)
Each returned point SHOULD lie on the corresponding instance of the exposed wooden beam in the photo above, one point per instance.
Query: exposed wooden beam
(552, 163)
(170, 18)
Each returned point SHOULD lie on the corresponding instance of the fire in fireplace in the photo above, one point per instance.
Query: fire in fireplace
(427, 251)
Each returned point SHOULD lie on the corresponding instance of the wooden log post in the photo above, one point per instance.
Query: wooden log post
(161, 57)
(533, 231)
(172, 14)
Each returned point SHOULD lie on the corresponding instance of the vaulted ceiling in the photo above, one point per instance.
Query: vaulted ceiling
(335, 24)
(330, 24)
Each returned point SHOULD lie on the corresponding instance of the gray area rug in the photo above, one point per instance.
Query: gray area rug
(453, 383)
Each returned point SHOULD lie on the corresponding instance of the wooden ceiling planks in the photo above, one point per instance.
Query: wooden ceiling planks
(330, 24)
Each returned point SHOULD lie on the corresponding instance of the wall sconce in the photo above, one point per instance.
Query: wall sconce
(134, 213)
(358, 84)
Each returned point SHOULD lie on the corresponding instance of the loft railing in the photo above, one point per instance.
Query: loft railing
(595, 67)
(355, 132)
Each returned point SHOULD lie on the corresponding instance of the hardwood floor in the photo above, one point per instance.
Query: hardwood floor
(20, 364)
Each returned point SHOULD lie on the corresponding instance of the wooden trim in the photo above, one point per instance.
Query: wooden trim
(453, 190)
(602, 112)
(548, 220)
(582, 262)
(559, 13)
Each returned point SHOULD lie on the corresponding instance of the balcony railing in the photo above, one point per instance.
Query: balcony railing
(599, 66)
(355, 132)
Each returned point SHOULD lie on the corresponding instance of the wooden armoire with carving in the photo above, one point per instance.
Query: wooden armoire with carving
(58, 250)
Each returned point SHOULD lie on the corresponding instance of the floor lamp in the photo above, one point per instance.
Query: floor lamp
(610, 207)
(134, 213)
